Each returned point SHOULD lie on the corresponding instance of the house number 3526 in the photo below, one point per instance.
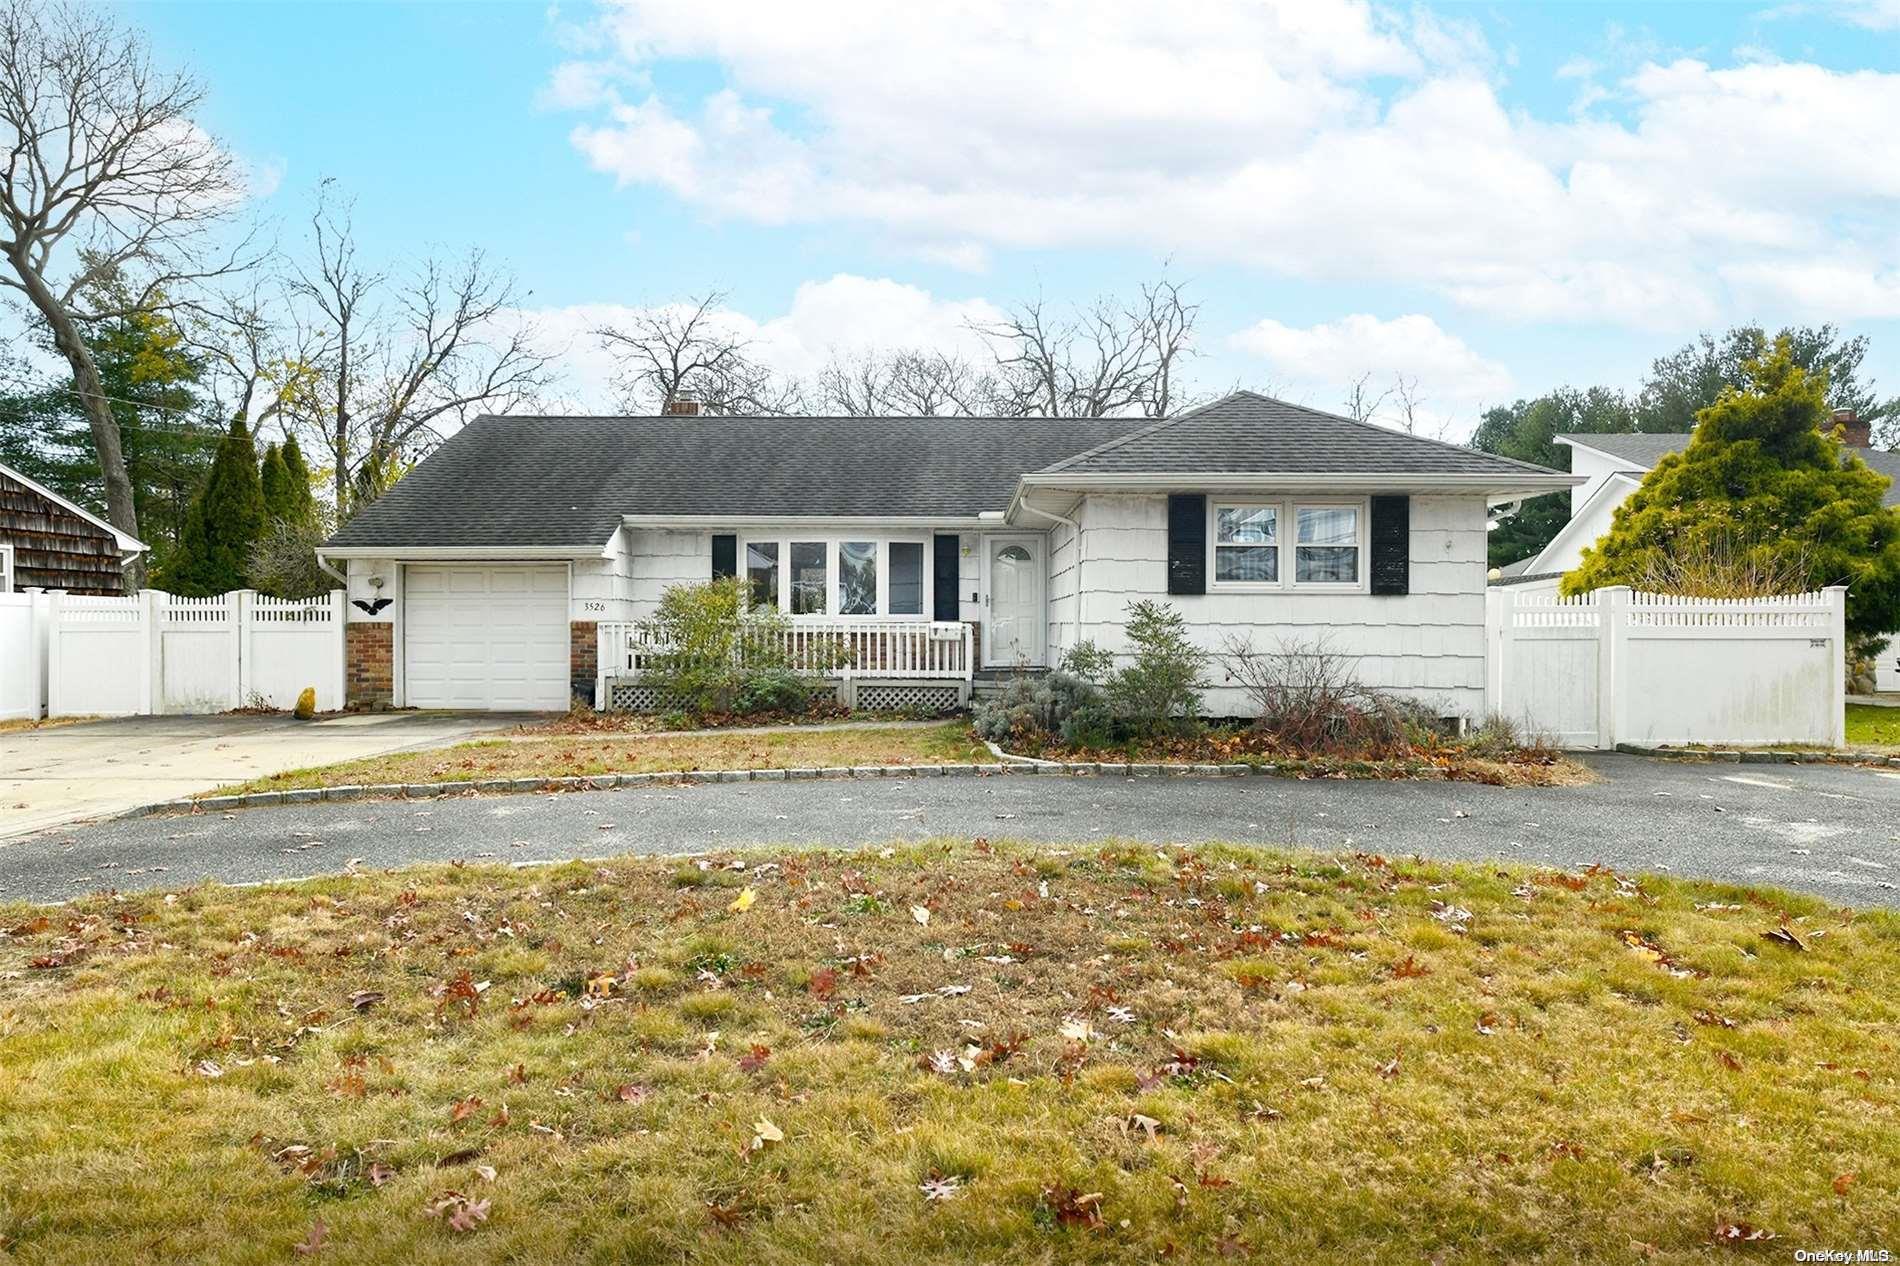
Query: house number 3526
(593, 606)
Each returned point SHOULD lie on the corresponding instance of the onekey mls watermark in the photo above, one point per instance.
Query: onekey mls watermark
(1843, 1255)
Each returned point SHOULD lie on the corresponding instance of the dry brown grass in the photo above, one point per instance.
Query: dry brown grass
(577, 757)
(1117, 1054)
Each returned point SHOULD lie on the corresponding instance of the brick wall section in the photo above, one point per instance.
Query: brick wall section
(368, 672)
(583, 656)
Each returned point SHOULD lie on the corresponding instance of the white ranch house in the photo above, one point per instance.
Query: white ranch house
(505, 571)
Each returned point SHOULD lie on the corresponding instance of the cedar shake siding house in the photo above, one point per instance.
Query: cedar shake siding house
(47, 542)
(937, 549)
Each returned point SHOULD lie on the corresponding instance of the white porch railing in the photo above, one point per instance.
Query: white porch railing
(844, 650)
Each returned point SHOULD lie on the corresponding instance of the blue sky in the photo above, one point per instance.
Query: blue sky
(1495, 198)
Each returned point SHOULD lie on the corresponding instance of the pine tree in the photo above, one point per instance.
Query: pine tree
(304, 499)
(280, 501)
(1763, 481)
(224, 522)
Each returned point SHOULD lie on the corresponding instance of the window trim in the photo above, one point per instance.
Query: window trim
(831, 540)
(6, 569)
(1288, 531)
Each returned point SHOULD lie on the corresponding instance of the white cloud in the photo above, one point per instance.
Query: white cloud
(844, 312)
(1324, 139)
(1318, 363)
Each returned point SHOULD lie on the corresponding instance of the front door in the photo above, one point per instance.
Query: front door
(1014, 624)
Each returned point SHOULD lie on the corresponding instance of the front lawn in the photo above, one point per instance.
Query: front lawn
(949, 743)
(1871, 726)
(956, 1053)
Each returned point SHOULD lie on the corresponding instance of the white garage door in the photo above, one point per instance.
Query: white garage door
(485, 637)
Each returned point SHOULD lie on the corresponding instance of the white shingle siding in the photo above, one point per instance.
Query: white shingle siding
(1427, 645)
(661, 558)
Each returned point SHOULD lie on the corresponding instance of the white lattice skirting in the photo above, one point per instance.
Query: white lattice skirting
(631, 695)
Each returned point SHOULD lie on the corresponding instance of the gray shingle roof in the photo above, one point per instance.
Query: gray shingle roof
(1254, 434)
(1642, 452)
(565, 481)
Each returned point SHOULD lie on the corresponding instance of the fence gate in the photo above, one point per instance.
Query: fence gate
(158, 653)
(1616, 666)
(1547, 669)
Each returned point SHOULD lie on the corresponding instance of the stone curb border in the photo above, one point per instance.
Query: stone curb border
(1760, 756)
(1012, 766)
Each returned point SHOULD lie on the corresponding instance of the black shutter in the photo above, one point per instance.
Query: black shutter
(1187, 543)
(1392, 545)
(946, 579)
(725, 555)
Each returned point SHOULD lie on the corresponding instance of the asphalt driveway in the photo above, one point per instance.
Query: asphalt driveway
(1833, 831)
(61, 774)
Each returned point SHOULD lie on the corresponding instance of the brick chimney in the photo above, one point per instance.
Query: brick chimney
(681, 407)
(1854, 432)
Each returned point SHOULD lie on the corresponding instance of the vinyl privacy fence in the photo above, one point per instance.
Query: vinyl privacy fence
(159, 653)
(1618, 666)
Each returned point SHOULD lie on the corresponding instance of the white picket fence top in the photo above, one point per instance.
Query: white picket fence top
(910, 650)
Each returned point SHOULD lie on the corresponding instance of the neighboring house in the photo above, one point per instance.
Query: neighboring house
(478, 581)
(47, 542)
(1612, 465)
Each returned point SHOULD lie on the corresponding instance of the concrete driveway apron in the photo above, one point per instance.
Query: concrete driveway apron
(61, 774)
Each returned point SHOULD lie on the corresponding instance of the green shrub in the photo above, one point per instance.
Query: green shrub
(775, 689)
(1057, 705)
(1159, 692)
(715, 656)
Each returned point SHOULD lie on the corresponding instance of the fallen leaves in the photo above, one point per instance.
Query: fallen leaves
(1069, 1206)
(1727, 1232)
(313, 1242)
(938, 1189)
(743, 902)
(920, 914)
(753, 1060)
(463, 1109)
(1784, 936)
(764, 1132)
(462, 1214)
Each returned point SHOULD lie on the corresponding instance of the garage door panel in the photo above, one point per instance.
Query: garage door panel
(486, 637)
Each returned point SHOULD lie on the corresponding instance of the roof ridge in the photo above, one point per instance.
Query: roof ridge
(1142, 432)
(1122, 440)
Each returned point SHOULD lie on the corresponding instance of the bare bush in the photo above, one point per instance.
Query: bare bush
(1309, 699)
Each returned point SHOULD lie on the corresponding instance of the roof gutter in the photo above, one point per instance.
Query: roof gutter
(1497, 487)
(814, 520)
(458, 553)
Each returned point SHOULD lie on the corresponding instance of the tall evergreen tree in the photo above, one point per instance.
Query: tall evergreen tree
(1527, 431)
(225, 521)
(304, 497)
(280, 500)
(1763, 483)
(149, 380)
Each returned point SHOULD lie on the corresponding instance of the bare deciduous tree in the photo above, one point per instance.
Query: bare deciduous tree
(1363, 403)
(905, 382)
(389, 362)
(106, 177)
(685, 352)
(1098, 360)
